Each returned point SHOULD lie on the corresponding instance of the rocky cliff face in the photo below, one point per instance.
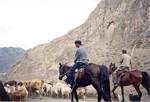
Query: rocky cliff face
(113, 24)
(8, 56)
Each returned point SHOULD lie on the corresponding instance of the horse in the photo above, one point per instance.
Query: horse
(134, 77)
(3, 94)
(93, 74)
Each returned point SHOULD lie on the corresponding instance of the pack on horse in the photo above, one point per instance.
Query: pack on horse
(94, 74)
(126, 78)
(3, 94)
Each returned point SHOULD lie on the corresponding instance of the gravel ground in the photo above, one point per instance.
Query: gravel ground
(47, 99)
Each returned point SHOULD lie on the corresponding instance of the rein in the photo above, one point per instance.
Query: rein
(64, 74)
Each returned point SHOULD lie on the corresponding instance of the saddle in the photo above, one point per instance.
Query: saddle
(122, 72)
(79, 72)
(124, 75)
(121, 75)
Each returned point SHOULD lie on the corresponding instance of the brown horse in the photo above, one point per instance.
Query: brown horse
(134, 77)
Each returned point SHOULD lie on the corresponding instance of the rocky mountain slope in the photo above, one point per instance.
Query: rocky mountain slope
(8, 56)
(113, 25)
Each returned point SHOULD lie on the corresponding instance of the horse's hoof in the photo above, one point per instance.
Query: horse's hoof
(123, 101)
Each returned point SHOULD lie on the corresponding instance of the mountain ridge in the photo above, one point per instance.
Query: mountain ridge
(8, 57)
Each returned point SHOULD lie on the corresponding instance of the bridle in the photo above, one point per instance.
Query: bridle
(61, 76)
(113, 69)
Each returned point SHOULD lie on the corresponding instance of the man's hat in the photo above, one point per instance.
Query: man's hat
(124, 49)
(78, 42)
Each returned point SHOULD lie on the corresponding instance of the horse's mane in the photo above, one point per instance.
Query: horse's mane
(66, 66)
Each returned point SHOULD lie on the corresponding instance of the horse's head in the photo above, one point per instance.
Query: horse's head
(63, 69)
(112, 68)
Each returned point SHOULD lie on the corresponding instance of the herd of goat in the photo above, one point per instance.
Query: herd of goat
(21, 91)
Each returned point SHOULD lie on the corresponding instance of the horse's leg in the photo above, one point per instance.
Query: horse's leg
(76, 95)
(72, 96)
(99, 96)
(98, 91)
(122, 92)
(138, 91)
(113, 91)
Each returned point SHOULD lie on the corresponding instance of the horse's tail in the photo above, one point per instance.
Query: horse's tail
(146, 81)
(105, 83)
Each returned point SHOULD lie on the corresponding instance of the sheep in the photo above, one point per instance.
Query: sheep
(47, 89)
(90, 92)
(34, 86)
(21, 92)
(81, 92)
(65, 91)
(55, 92)
(18, 92)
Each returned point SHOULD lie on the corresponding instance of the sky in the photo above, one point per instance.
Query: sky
(27, 23)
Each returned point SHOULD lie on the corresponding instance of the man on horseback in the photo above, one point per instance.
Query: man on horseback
(123, 76)
(81, 60)
(125, 66)
(125, 60)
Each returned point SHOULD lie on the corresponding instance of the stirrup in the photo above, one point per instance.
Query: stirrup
(76, 70)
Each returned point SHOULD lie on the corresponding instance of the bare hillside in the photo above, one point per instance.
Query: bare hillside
(113, 24)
